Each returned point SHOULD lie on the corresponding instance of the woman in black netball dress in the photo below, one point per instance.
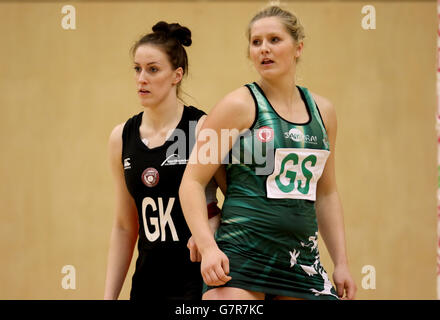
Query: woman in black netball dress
(148, 155)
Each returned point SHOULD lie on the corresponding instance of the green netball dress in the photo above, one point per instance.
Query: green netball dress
(269, 229)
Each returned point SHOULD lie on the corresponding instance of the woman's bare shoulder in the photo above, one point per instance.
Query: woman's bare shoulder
(324, 104)
(115, 141)
(234, 110)
(116, 134)
(326, 108)
(239, 98)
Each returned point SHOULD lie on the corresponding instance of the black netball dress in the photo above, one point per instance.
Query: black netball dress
(163, 268)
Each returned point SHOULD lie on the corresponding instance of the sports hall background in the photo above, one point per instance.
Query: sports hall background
(62, 92)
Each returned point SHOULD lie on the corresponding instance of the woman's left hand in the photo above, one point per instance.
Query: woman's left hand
(344, 282)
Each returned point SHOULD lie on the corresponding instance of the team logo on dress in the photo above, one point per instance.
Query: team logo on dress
(295, 134)
(173, 160)
(127, 164)
(298, 136)
(265, 134)
(150, 177)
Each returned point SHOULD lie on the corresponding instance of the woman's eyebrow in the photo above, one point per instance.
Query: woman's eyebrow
(153, 62)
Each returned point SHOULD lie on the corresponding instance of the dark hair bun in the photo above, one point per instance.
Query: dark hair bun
(174, 30)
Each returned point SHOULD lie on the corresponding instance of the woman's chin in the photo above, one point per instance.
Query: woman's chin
(145, 102)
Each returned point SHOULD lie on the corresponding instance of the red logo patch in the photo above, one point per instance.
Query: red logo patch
(265, 134)
(150, 177)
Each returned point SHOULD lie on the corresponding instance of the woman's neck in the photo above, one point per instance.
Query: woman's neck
(282, 90)
(162, 116)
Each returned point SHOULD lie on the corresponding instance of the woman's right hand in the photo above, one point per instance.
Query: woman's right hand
(215, 267)
(235, 112)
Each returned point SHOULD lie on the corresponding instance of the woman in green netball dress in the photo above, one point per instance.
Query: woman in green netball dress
(281, 180)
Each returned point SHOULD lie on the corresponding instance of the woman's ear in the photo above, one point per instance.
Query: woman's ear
(178, 75)
(299, 49)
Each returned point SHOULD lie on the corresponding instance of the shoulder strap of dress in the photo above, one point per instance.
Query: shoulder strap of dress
(260, 100)
(313, 109)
